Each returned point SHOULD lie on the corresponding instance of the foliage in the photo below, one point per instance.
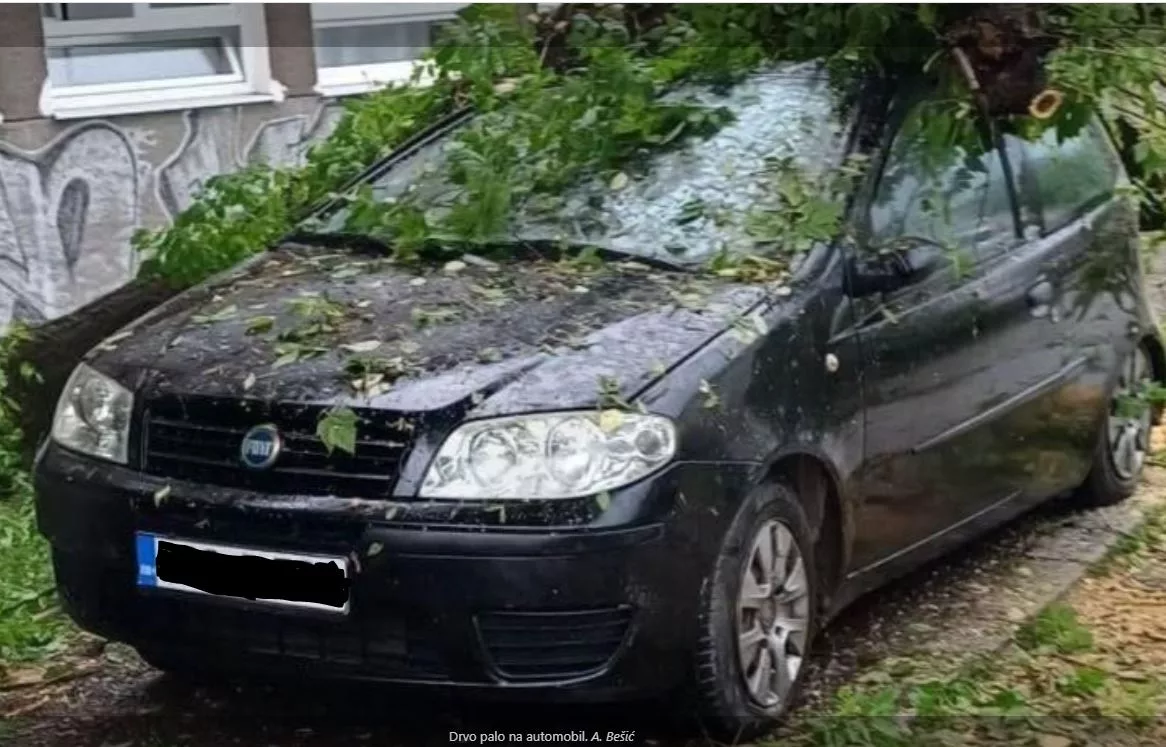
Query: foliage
(27, 627)
(337, 430)
(30, 626)
(1056, 628)
(592, 107)
(13, 478)
(543, 132)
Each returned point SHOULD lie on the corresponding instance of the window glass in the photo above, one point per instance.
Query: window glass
(337, 46)
(140, 61)
(682, 204)
(1063, 179)
(95, 49)
(946, 195)
(95, 11)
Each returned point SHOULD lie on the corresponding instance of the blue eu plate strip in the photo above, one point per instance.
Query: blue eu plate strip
(147, 551)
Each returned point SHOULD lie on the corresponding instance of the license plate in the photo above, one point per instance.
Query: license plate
(316, 582)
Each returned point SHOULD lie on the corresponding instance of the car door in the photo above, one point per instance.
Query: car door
(932, 374)
(1077, 271)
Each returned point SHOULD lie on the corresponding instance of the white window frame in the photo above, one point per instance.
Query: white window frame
(249, 82)
(344, 80)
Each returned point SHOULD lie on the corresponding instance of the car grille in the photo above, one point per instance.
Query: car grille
(198, 439)
(552, 645)
(384, 648)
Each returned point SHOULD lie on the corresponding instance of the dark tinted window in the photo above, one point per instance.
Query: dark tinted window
(942, 194)
(1063, 179)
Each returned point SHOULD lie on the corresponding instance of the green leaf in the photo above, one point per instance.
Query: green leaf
(337, 430)
(260, 324)
(221, 315)
(367, 346)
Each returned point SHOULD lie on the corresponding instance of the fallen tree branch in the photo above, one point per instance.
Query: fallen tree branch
(72, 674)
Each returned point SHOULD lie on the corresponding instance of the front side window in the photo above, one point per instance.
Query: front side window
(948, 190)
(1063, 178)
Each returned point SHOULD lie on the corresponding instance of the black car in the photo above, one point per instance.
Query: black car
(593, 474)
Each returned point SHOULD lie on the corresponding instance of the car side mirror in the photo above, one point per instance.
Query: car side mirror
(897, 265)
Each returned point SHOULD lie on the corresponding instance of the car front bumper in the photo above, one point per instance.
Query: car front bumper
(579, 614)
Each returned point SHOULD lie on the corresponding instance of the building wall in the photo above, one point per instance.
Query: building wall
(73, 191)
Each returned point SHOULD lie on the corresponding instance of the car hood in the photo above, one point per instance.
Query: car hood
(494, 338)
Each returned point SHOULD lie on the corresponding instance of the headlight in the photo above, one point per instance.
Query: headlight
(93, 415)
(552, 455)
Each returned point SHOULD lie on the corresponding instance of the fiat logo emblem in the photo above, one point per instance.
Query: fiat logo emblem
(261, 446)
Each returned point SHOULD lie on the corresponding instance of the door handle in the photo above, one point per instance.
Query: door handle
(1040, 297)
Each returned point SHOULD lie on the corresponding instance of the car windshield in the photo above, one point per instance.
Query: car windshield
(682, 205)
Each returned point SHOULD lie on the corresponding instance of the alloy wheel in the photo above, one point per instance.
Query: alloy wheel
(773, 613)
(1128, 432)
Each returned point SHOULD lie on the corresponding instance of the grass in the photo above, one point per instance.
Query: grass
(1056, 629)
(31, 626)
(1132, 546)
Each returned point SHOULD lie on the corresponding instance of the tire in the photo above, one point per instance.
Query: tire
(728, 708)
(1122, 445)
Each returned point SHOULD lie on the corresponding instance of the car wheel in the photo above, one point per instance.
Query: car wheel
(1125, 439)
(757, 617)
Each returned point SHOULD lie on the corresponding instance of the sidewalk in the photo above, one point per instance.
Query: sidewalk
(1090, 669)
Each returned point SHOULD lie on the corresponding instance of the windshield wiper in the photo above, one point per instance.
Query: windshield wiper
(554, 249)
(363, 243)
(545, 248)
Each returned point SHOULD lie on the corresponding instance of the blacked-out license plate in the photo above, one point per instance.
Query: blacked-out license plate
(289, 579)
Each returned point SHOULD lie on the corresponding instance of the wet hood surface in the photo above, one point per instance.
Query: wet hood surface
(304, 325)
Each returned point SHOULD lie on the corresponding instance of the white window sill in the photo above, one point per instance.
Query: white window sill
(358, 79)
(82, 107)
(336, 90)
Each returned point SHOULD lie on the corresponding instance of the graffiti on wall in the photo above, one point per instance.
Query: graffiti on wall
(69, 209)
(211, 145)
(67, 212)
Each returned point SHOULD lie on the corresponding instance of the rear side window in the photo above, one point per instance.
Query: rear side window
(1061, 180)
(954, 198)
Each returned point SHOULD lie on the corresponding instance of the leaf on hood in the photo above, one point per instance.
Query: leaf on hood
(219, 316)
(259, 324)
(367, 346)
(610, 420)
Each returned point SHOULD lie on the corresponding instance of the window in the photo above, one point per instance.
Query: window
(942, 193)
(362, 46)
(1063, 179)
(123, 57)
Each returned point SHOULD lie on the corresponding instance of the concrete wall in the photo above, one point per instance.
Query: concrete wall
(72, 194)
